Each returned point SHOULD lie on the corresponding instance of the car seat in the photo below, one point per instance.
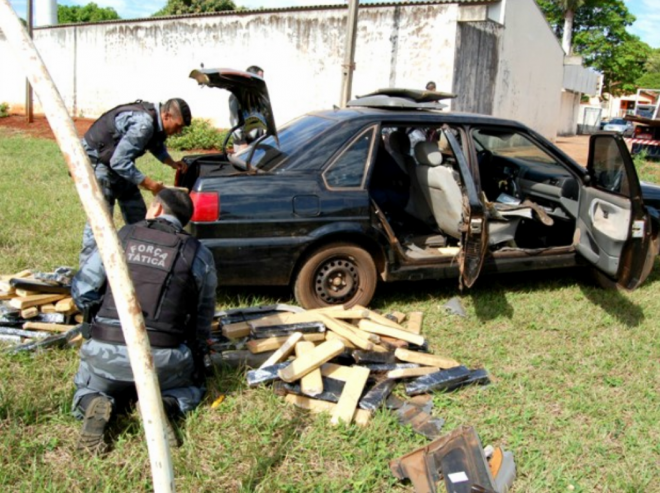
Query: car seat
(398, 145)
(440, 187)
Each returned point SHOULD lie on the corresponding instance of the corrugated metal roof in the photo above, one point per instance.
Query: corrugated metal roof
(281, 9)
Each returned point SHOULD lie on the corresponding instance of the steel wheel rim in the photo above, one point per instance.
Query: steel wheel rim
(337, 280)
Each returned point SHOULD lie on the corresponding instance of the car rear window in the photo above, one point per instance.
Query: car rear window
(293, 136)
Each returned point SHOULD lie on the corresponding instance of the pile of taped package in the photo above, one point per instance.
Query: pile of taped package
(36, 310)
(347, 362)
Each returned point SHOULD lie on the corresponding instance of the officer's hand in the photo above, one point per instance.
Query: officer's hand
(181, 166)
(153, 186)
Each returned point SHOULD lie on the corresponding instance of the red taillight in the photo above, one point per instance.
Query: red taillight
(207, 206)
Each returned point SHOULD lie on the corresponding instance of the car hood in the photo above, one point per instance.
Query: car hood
(249, 89)
(651, 194)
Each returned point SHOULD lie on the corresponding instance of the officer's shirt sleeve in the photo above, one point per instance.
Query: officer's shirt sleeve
(88, 284)
(136, 129)
(160, 151)
(203, 271)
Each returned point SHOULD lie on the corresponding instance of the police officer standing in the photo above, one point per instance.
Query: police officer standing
(241, 139)
(116, 140)
(175, 281)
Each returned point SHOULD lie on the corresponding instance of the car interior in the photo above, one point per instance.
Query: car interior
(531, 199)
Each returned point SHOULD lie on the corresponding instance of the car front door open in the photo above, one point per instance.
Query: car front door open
(474, 230)
(613, 230)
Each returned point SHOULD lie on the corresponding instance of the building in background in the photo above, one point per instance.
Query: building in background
(499, 56)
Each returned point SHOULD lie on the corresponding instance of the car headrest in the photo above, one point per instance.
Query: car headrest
(428, 154)
(399, 142)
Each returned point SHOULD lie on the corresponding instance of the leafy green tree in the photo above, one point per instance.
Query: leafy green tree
(651, 79)
(600, 36)
(181, 7)
(88, 13)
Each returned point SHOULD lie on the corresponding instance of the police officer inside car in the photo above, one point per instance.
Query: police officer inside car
(175, 281)
(116, 140)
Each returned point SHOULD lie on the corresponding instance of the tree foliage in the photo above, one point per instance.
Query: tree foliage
(181, 7)
(651, 79)
(88, 13)
(600, 36)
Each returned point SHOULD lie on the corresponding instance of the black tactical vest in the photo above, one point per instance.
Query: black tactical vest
(159, 258)
(103, 136)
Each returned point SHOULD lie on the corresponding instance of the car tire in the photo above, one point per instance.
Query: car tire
(336, 274)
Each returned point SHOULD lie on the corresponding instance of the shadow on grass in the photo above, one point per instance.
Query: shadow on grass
(488, 296)
(616, 304)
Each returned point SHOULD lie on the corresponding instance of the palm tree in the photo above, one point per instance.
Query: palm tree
(568, 7)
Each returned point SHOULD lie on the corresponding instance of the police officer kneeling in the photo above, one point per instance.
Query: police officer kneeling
(175, 281)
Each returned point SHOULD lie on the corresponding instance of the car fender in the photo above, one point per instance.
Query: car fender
(346, 232)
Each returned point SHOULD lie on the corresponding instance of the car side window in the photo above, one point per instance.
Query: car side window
(609, 171)
(348, 170)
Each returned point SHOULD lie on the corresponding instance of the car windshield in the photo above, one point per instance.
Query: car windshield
(617, 121)
(510, 144)
(293, 136)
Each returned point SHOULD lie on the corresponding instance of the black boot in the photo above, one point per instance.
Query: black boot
(97, 409)
(171, 408)
(172, 413)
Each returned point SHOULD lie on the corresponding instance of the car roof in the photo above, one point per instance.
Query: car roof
(417, 115)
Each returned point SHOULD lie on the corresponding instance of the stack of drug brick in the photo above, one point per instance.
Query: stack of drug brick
(342, 361)
(34, 309)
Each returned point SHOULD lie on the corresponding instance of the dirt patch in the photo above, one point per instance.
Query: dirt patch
(576, 146)
(40, 128)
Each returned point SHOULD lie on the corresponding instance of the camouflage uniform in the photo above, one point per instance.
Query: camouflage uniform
(105, 368)
(119, 181)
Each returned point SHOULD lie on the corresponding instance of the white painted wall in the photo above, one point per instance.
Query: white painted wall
(570, 106)
(529, 84)
(301, 53)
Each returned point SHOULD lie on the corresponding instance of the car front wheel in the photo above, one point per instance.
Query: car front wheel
(337, 274)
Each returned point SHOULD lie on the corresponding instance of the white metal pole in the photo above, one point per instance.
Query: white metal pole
(130, 314)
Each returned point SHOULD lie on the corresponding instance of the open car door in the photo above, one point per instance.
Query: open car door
(474, 235)
(613, 231)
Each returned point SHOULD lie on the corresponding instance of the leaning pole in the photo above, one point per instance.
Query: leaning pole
(112, 253)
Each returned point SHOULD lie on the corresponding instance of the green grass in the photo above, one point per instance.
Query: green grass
(575, 391)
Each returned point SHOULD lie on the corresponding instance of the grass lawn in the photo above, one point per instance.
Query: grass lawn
(575, 372)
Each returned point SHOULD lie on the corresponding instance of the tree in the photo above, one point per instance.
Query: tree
(88, 13)
(651, 79)
(555, 10)
(600, 36)
(181, 7)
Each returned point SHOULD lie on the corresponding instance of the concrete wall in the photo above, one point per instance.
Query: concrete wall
(570, 108)
(529, 83)
(512, 70)
(98, 66)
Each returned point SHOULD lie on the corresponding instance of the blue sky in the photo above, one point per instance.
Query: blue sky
(647, 26)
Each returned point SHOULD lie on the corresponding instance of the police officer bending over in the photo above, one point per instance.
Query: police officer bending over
(175, 281)
(116, 140)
